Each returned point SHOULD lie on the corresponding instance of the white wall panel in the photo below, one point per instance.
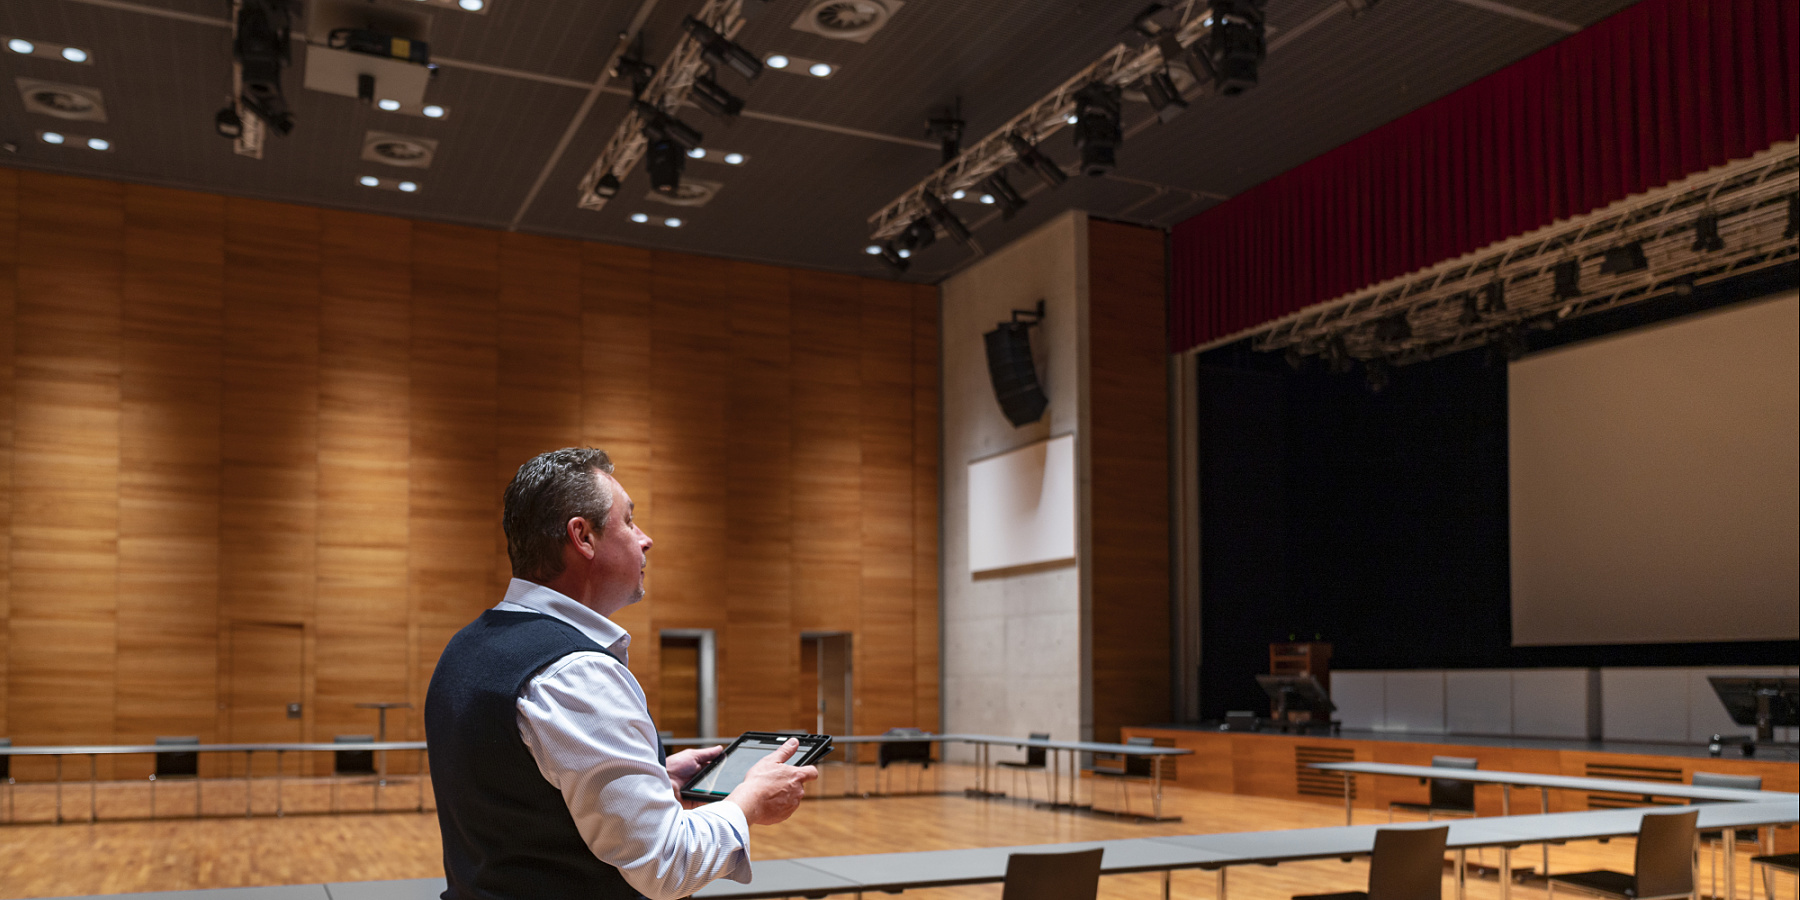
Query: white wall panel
(1360, 699)
(1550, 703)
(1415, 702)
(1478, 701)
(1644, 704)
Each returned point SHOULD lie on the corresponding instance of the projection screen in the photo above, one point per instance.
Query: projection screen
(1655, 494)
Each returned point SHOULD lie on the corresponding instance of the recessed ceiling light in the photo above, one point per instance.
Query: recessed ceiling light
(775, 60)
(21, 45)
(820, 70)
(873, 249)
(99, 144)
(51, 137)
(407, 186)
(905, 253)
(987, 199)
(672, 222)
(388, 105)
(433, 112)
(697, 153)
(734, 159)
(75, 54)
(1072, 119)
(368, 181)
(471, 5)
(958, 194)
(640, 218)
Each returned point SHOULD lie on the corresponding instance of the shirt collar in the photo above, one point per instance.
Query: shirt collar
(532, 597)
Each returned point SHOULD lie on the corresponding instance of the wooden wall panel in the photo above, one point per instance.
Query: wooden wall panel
(229, 421)
(1129, 461)
(169, 467)
(65, 524)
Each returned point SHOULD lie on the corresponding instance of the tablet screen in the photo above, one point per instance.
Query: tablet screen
(727, 772)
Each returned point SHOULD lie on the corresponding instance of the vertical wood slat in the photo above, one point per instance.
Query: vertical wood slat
(234, 411)
(169, 473)
(65, 527)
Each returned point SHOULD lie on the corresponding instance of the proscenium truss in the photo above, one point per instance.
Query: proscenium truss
(1122, 66)
(1749, 197)
(667, 90)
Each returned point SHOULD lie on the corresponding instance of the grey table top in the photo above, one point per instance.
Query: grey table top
(115, 749)
(1562, 782)
(1001, 740)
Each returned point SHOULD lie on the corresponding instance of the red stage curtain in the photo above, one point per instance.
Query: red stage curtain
(1659, 91)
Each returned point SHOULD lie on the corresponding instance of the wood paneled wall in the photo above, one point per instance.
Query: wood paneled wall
(217, 411)
(1128, 441)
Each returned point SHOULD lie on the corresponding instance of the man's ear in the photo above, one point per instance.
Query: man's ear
(582, 537)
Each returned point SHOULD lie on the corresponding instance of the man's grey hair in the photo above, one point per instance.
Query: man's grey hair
(544, 495)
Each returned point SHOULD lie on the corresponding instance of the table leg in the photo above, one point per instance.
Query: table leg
(1347, 785)
(1506, 873)
(423, 765)
(278, 811)
(1730, 863)
(1461, 877)
(1506, 799)
(1544, 807)
(1156, 788)
(1220, 890)
(59, 788)
(1166, 874)
(93, 786)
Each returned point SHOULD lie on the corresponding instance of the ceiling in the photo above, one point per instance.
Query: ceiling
(824, 154)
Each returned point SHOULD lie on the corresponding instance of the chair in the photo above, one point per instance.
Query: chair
(6, 773)
(1785, 862)
(176, 764)
(1034, 760)
(1053, 876)
(352, 761)
(1664, 869)
(1406, 864)
(1445, 796)
(900, 752)
(1131, 768)
(1712, 839)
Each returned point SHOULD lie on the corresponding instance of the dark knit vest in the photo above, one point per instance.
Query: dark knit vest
(508, 834)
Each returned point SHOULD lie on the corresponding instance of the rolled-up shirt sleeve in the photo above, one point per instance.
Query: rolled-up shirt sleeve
(585, 721)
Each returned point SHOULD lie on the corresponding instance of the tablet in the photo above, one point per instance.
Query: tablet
(717, 778)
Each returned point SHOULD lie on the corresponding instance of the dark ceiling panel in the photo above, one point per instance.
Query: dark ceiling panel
(806, 194)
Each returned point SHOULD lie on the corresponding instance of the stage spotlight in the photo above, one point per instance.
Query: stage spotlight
(948, 130)
(1568, 279)
(1164, 97)
(665, 160)
(1002, 191)
(607, 186)
(1097, 132)
(1337, 355)
(952, 225)
(228, 124)
(1512, 343)
(660, 124)
(1393, 329)
(1471, 310)
(1624, 258)
(722, 51)
(891, 256)
(714, 99)
(1495, 292)
(918, 235)
(636, 69)
(1034, 159)
(261, 51)
(1232, 48)
(1706, 234)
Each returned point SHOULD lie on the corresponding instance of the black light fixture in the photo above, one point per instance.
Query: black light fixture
(1295, 359)
(1097, 132)
(639, 71)
(662, 124)
(952, 225)
(890, 255)
(1513, 344)
(1568, 279)
(719, 50)
(665, 160)
(1495, 292)
(1393, 329)
(1471, 310)
(228, 124)
(948, 130)
(1624, 258)
(1232, 49)
(1164, 97)
(1337, 355)
(708, 95)
(1010, 200)
(607, 186)
(1034, 159)
(1706, 234)
(261, 52)
(918, 235)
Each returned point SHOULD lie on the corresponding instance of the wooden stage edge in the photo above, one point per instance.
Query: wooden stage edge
(1276, 766)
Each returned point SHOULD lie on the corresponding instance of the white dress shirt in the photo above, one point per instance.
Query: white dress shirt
(586, 722)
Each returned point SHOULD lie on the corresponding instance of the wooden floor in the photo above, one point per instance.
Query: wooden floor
(228, 850)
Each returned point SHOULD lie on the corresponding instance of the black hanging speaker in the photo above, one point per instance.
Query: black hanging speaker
(1012, 370)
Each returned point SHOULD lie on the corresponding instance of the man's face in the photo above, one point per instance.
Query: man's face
(622, 553)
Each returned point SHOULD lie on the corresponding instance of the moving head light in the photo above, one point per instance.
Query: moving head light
(720, 50)
(1233, 46)
(261, 51)
(1097, 132)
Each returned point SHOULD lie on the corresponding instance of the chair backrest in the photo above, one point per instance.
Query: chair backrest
(1035, 756)
(1139, 765)
(1408, 864)
(1665, 853)
(1448, 793)
(903, 751)
(1053, 876)
(180, 764)
(353, 762)
(1719, 779)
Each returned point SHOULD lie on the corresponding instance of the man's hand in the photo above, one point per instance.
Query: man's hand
(683, 765)
(772, 789)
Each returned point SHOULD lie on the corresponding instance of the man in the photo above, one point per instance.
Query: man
(549, 777)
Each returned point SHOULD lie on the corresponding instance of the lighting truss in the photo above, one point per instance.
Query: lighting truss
(1749, 198)
(667, 90)
(1122, 66)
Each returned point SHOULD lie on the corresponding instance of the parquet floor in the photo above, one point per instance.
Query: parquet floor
(121, 854)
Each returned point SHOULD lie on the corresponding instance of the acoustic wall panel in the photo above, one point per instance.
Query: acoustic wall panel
(1361, 699)
(1022, 506)
(1552, 703)
(1476, 702)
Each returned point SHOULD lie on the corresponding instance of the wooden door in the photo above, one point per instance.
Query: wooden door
(264, 676)
(834, 684)
(679, 686)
